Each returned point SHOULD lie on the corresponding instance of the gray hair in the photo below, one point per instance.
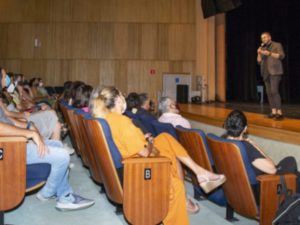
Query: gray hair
(164, 104)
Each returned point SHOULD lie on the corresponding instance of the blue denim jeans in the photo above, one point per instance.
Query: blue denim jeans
(57, 183)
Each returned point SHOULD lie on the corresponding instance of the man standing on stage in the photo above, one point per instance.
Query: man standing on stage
(270, 55)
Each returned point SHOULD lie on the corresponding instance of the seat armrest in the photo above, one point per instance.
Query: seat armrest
(269, 185)
(146, 189)
(12, 139)
(13, 171)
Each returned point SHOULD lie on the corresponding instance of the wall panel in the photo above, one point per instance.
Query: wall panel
(115, 42)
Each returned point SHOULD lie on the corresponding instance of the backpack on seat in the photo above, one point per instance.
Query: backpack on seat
(289, 209)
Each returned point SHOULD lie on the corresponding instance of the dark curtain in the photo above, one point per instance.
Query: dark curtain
(243, 28)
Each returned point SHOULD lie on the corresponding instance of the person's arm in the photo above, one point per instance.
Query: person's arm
(277, 52)
(18, 115)
(149, 149)
(259, 55)
(12, 131)
(265, 165)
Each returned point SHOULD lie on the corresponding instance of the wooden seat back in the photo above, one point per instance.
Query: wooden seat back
(63, 109)
(193, 142)
(237, 188)
(77, 136)
(145, 196)
(232, 161)
(104, 161)
(94, 169)
(13, 171)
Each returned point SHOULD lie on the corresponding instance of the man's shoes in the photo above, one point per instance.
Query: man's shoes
(40, 197)
(76, 202)
(279, 117)
(271, 116)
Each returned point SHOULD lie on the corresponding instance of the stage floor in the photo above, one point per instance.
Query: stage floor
(289, 110)
(214, 114)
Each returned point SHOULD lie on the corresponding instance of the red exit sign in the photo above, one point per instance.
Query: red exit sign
(152, 71)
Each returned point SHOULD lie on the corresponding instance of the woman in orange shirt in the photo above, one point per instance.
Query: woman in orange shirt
(110, 104)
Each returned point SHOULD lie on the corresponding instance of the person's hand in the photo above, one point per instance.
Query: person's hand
(42, 148)
(265, 52)
(44, 107)
(26, 115)
(259, 50)
(149, 137)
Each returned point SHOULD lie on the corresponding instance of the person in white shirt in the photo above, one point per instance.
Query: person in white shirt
(170, 113)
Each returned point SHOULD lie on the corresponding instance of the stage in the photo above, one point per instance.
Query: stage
(214, 114)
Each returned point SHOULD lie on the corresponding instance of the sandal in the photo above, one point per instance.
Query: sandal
(192, 207)
(210, 181)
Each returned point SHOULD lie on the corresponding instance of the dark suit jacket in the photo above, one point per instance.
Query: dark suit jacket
(274, 66)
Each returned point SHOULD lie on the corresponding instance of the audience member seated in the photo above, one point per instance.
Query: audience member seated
(145, 106)
(57, 185)
(82, 97)
(236, 129)
(170, 113)
(110, 104)
(46, 122)
(52, 152)
(70, 91)
(66, 95)
(133, 102)
(41, 89)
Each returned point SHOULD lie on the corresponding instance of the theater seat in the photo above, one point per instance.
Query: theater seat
(36, 175)
(16, 177)
(194, 141)
(146, 182)
(231, 159)
(163, 128)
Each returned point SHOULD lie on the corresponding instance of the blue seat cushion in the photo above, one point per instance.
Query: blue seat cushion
(36, 173)
(217, 196)
(164, 128)
(114, 151)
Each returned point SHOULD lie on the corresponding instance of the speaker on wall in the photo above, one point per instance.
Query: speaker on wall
(182, 93)
(213, 7)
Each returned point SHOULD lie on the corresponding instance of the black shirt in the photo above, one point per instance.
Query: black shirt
(253, 154)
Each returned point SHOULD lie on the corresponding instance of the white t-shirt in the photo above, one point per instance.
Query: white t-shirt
(174, 119)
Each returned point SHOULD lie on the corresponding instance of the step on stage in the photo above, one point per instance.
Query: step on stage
(287, 130)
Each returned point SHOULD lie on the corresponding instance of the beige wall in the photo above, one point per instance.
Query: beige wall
(110, 42)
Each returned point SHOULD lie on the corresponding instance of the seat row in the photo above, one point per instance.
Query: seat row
(216, 154)
(138, 186)
(229, 157)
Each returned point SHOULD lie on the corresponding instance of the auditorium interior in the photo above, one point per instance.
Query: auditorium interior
(92, 80)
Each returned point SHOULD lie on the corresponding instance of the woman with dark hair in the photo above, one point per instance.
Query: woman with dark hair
(66, 95)
(110, 104)
(133, 102)
(82, 97)
(145, 107)
(236, 129)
